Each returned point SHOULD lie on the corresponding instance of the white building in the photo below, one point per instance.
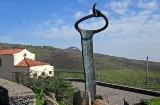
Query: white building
(15, 62)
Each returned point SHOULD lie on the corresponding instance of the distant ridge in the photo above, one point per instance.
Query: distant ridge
(71, 58)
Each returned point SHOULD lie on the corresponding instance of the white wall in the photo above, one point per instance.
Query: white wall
(43, 68)
(20, 56)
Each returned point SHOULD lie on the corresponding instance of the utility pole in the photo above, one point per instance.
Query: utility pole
(147, 73)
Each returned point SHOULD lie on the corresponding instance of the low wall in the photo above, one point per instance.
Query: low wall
(4, 98)
(14, 94)
(122, 87)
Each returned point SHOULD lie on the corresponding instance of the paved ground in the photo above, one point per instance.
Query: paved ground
(115, 95)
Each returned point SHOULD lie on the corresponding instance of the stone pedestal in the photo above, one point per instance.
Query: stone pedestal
(81, 98)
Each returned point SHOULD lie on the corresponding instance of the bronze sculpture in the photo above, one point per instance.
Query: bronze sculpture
(87, 50)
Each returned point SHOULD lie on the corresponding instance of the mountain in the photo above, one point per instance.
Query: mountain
(71, 58)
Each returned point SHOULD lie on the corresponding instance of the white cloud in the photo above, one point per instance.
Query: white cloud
(123, 27)
(147, 4)
(79, 14)
(136, 25)
(47, 22)
(59, 21)
(120, 7)
(82, 1)
(54, 32)
(92, 24)
(131, 36)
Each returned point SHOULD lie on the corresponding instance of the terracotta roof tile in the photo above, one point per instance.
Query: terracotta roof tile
(29, 62)
(10, 51)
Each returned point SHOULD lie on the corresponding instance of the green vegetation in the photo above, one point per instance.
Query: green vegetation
(128, 77)
(69, 74)
(155, 101)
(62, 88)
(39, 101)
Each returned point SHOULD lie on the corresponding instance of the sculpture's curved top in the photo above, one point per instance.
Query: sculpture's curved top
(96, 13)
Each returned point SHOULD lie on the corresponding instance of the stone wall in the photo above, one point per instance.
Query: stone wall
(14, 94)
(122, 87)
(4, 98)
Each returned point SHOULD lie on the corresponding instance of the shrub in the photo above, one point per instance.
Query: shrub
(39, 101)
(62, 88)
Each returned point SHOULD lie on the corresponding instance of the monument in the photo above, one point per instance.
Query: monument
(87, 50)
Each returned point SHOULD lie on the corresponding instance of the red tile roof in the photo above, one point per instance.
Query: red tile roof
(29, 62)
(10, 51)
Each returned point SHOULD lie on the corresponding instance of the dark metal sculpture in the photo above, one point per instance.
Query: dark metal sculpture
(87, 50)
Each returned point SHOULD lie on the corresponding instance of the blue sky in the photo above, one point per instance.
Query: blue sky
(133, 31)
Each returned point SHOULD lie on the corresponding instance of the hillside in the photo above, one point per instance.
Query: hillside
(71, 58)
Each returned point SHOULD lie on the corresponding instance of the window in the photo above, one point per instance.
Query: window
(0, 62)
(24, 55)
(50, 72)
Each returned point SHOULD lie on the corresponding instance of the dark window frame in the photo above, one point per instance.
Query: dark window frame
(50, 72)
